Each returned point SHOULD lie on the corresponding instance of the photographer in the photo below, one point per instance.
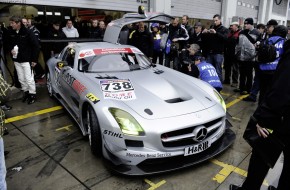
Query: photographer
(203, 70)
(187, 58)
(213, 41)
(178, 37)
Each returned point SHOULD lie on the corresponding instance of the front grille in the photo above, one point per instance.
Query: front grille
(180, 135)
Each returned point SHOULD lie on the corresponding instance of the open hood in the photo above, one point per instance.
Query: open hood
(114, 33)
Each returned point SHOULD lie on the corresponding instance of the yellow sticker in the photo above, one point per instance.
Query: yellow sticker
(92, 97)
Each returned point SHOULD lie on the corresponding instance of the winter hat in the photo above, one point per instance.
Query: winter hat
(198, 24)
(272, 22)
(155, 25)
(280, 30)
(249, 21)
(235, 23)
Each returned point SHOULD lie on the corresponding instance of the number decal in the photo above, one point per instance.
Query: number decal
(127, 85)
(116, 85)
(212, 72)
(118, 89)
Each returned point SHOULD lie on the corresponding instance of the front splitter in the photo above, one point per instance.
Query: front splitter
(161, 165)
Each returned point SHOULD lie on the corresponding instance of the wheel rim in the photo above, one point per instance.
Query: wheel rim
(89, 127)
(48, 84)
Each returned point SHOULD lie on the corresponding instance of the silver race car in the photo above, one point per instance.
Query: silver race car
(142, 118)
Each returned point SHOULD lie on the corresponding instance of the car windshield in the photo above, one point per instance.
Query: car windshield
(114, 62)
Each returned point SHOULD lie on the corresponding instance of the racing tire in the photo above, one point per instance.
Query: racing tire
(49, 85)
(94, 132)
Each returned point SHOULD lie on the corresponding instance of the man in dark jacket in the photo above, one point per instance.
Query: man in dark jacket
(94, 30)
(143, 40)
(213, 41)
(246, 63)
(39, 71)
(24, 48)
(231, 64)
(178, 37)
(273, 113)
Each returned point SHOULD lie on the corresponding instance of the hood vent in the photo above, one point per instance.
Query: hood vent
(106, 77)
(158, 72)
(174, 100)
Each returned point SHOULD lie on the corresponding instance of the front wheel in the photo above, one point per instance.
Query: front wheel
(93, 130)
(49, 85)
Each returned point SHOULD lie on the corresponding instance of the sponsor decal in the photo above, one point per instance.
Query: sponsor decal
(14, 1)
(136, 155)
(112, 51)
(113, 134)
(86, 53)
(75, 84)
(92, 98)
(159, 155)
(118, 89)
(92, 52)
(56, 74)
(149, 155)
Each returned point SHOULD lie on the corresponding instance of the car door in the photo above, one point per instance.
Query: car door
(114, 33)
(66, 79)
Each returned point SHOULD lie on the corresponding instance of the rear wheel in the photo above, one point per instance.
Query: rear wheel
(94, 133)
(49, 85)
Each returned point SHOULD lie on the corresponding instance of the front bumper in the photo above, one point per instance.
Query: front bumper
(161, 165)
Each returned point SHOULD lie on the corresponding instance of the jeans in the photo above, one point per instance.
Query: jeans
(256, 85)
(174, 57)
(26, 77)
(3, 185)
(246, 75)
(216, 60)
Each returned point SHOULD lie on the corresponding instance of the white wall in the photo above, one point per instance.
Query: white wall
(163, 6)
(118, 5)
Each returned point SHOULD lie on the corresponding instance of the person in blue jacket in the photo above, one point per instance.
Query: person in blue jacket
(157, 50)
(278, 37)
(207, 72)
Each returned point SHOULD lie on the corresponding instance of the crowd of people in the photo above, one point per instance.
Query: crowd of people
(194, 50)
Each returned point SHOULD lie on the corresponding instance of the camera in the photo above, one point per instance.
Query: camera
(184, 57)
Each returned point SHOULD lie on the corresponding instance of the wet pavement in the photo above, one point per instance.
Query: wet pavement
(48, 151)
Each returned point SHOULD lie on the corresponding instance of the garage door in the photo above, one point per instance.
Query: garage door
(201, 9)
(248, 8)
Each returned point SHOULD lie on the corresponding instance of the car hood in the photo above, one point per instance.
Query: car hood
(159, 95)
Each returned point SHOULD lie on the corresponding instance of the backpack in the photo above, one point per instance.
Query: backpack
(245, 50)
(267, 52)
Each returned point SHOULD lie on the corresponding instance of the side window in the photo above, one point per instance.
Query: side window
(69, 56)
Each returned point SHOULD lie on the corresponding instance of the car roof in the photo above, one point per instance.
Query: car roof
(114, 28)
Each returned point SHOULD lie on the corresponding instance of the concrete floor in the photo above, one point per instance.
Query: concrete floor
(48, 151)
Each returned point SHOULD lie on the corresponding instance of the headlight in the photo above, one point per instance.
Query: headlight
(220, 99)
(127, 122)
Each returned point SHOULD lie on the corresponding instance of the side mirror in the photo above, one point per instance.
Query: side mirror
(61, 64)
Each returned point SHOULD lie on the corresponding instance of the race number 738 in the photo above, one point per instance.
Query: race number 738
(115, 86)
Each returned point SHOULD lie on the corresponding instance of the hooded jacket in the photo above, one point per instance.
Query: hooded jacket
(70, 32)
